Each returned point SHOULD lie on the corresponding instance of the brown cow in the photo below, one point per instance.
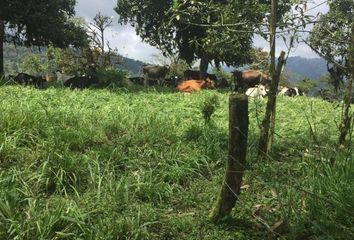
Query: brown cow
(250, 78)
(190, 86)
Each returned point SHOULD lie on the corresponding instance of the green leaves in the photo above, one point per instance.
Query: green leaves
(37, 22)
(196, 28)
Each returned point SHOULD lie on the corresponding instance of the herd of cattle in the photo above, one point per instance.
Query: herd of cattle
(254, 83)
(66, 81)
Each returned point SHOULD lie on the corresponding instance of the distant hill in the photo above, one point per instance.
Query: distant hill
(132, 66)
(306, 67)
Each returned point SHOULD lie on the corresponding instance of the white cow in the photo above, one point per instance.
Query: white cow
(259, 91)
(62, 78)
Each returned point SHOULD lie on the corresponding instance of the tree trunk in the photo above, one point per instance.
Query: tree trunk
(268, 123)
(203, 66)
(2, 35)
(238, 134)
(345, 125)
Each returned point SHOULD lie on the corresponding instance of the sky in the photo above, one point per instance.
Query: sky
(124, 38)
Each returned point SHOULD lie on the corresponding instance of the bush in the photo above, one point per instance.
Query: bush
(112, 78)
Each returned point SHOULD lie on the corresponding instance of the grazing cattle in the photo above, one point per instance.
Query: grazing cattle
(190, 86)
(155, 73)
(250, 78)
(258, 91)
(26, 79)
(195, 74)
(291, 92)
(81, 82)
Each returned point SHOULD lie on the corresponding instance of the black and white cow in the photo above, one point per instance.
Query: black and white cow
(291, 91)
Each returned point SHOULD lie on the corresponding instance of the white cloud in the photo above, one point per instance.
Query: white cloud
(130, 45)
(121, 37)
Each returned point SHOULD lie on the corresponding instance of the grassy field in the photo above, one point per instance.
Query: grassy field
(142, 164)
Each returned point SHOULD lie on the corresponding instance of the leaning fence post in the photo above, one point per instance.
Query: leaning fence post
(238, 134)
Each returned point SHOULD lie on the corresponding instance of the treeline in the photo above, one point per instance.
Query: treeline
(16, 60)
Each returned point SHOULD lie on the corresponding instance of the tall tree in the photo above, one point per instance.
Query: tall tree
(285, 24)
(39, 22)
(332, 38)
(208, 30)
(97, 36)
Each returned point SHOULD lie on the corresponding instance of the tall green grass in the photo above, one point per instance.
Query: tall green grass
(144, 164)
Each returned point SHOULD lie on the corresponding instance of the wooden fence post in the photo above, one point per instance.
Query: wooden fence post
(238, 134)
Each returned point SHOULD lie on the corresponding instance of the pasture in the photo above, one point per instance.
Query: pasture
(142, 164)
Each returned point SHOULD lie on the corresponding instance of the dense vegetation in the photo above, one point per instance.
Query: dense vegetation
(142, 164)
(20, 59)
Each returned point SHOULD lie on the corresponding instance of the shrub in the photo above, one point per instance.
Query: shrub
(112, 78)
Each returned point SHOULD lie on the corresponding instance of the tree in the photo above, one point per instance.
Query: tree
(286, 25)
(332, 38)
(33, 64)
(197, 29)
(96, 31)
(260, 60)
(38, 22)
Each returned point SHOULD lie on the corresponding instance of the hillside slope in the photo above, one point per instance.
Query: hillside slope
(311, 68)
(122, 164)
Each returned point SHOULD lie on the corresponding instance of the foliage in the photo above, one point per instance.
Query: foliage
(178, 67)
(307, 85)
(331, 37)
(185, 26)
(112, 78)
(33, 64)
(50, 60)
(209, 106)
(32, 22)
(260, 60)
(329, 185)
(37, 22)
(63, 60)
(107, 164)
(222, 74)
